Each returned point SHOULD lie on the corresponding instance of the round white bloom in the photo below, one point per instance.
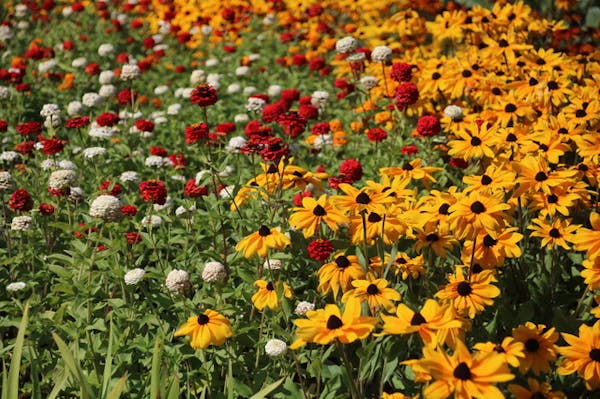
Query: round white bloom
(213, 79)
(227, 171)
(107, 91)
(103, 132)
(48, 164)
(185, 92)
(74, 108)
(79, 62)
(346, 45)
(272, 264)
(164, 27)
(242, 70)
(107, 208)
(50, 110)
(16, 286)
(368, 82)
(177, 280)
(23, 25)
(322, 140)
(129, 176)
(274, 90)
(234, 88)
(248, 90)
(197, 76)
(134, 276)
(21, 223)
(130, 72)
(200, 175)
(211, 62)
(227, 191)
(269, 19)
(105, 50)
(255, 104)
(235, 144)
(254, 57)
(6, 181)
(180, 178)
(156, 161)
(66, 164)
(67, 11)
(4, 93)
(75, 195)
(46, 66)
(124, 115)
(454, 112)
(303, 307)
(21, 10)
(93, 152)
(206, 30)
(174, 109)
(9, 156)
(275, 347)
(62, 179)
(152, 221)
(106, 77)
(240, 118)
(184, 212)
(53, 121)
(381, 54)
(158, 38)
(167, 205)
(160, 90)
(122, 18)
(91, 100)
(319, 98)
(356, 57)
(5, 33)
(214, 271)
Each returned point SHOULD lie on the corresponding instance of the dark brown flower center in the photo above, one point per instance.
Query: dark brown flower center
(272, 169)
(432, 237)
(464, 288)
(203, 319)
(498, 348)
(374, 218)
(319, 211)
(270, 286)
(489, 241)
(264, 231)
(552, 85)
(552, 199)
(477, 207)
(334, 322)
(466, 73)
(417, 319)
(511, 138)
(595, 354)
(342, 262)
(537, 395)
(580, 113)
(407, 166)
(541, 176)
(485, 180)
(475, 141)
(582, 167)
(532, 345)
(554, 233)
(372, 289)
(533, 82)
(362, 198)
(503, 43)
(443, 209)
(510, 108)
(462, 372)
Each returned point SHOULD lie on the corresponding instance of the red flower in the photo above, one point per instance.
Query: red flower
(196, 132)
(204, 95)
(308, 111)
(129, 210)
(107, 119)
(92, 69)
(274, 150)
(114, 191)
(52, 145)
(29, 128)
(126, 96)
(20, 201)
(193, 190)
(153, 191)
(256, 130)
(225, 127)
(298, 197)
(177, 161)
(290, 95)
(77, 122)
(428, 126)
(271, 112)
(298, 59)
(25, 147)
(3, 125)
(46, 209)
(316, 64)
(351, 170)
(319, 249)
(407, 93)
(158, 151)
(409, 150)
(58, 193)
(144, 125)
(292, 123)
(320, 128)
(401, 72)
(458, 163)
(133, 237)
(376, 134)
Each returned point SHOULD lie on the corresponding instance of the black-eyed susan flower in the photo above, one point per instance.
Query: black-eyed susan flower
(407, 266)
(375, 292)
(469, 296)
(554, 234)
(582, 355)
(591, 272)
(476, 141)
(339, 274)
(261, 241)
(267, 294)
(535, 390)
(313, 212)
(355, 201)
(323, 326)
(388, 226)
(495, 177)
(540, 348)
(491, 252)
(534, 174)
(463, 374)
(559, 201)
(589, 239)
(478, 212)
(511, 350)
(435, 236)
(413, 170)
(209, 328)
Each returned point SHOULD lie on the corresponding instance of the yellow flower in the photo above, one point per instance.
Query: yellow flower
(583, 355)
(339, 274)
(540, 348)
(478, 212)
(261, 241)
(555, 234)
(373, 291)
(536, 390)
(511, 350)
(589, 239)
(267, 296)
(308, 218)
(210, 328)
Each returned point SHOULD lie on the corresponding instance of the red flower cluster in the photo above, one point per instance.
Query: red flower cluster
(376, 134)
(158, 151)
(20, 201)
(29, 128)
(129, 210)
(153, 191)
(133, 237)
(105, 187)
(107, 119)
(52, 145)
(196, 132)
(204, 95)
(350, 171)
(292, 123)
(401, 72)
(193, 190)
(319, 249)
(144, 125)
(46, 209)
(407, 94)
(409, 150)
(271, 112)
(77, 122)
(428, 125)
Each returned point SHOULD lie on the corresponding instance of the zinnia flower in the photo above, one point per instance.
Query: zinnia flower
(204, 95)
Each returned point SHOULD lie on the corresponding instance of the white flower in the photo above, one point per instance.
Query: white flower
(235, 144)
(272, 264)
(50, 110)
(75, 195)
(156, 161)
(214, 271)
(91, 100)
(134, 276)
(240, 118)
(177, 280)
(454, 112)
(164, 27)
(234, 88)
(248, 90)
(227, 171)
(6, 181)
(160, 90)
(269, 19)
(211, 62)
(152, 221)
(23, 25)
(381, 54)
(322, 140)
(130, 72)
(79, 62)
(106, 77)
(227, 192)
(107, 208)
(53, 121)
(206, 30)
(274, 90)
(66, 164)
(16, 286)
(5, 33)
(4, 93)
(167, 205)
(213, 79)
(93, 152)
(200, 175)
(103, 132)
(67, 11)
(303, 307)
(48, 164)
(105, 50)
(174, 109)
(356, 57)
(255, 104)
(74, 108)
(21, 223)
(107, 91)
(9, 156)
(21, 10)
(46, 66)
(62, 179)
(242, 70)
(129, 176)
(346, 45)
(368, 82)
(319, 98)
(275, 347)
(184, 212)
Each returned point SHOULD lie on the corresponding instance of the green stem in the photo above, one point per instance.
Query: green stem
(354, 393)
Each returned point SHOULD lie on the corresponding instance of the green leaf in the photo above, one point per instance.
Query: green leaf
(15, 363)
(155, 370)
(174, 390)
(59, 384)
(268, 389)
(74, 367)
(107, 363)
(115, 393)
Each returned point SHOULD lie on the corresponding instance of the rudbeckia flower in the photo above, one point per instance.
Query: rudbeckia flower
(478, 212)
(554, 234)
(339, 274)
(308, 218)
(209, 328)
(583, 355)
(261, 241)
(373, 291)
(589, 239)
(511, 350)
(535, 390)
(540, 348)
(267, 296)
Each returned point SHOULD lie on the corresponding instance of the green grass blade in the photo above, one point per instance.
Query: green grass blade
(35, 377)
(174, 390)
(107, 363)
(4, 393)
(59, 384)
(73, 366)
(15, 362)
(155, 371)
(268, 389)
(115, 393)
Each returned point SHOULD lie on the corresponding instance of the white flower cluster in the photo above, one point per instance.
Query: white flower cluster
(21, 223)
(235, 144)
(156, 161)
(107, 208)
(255, 104)
(275, 347)
(454, 112)
(134, 276)
(74, 108)
(93, 152)
(272, 264)
(6, 181)
(4, 93)
(177, 280)
(106, 77)
(62, 179)
(303, 307)
(346, 45)
(102, 132)
(151, 221)
(319, 99)
(130, 72)
(214, 271)
(368, 82)
(91, 100)
(10, 156)
(381, 54)
(75, 195)
(46, 66)
(129, 176)
(106, 49)
(16, 286)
